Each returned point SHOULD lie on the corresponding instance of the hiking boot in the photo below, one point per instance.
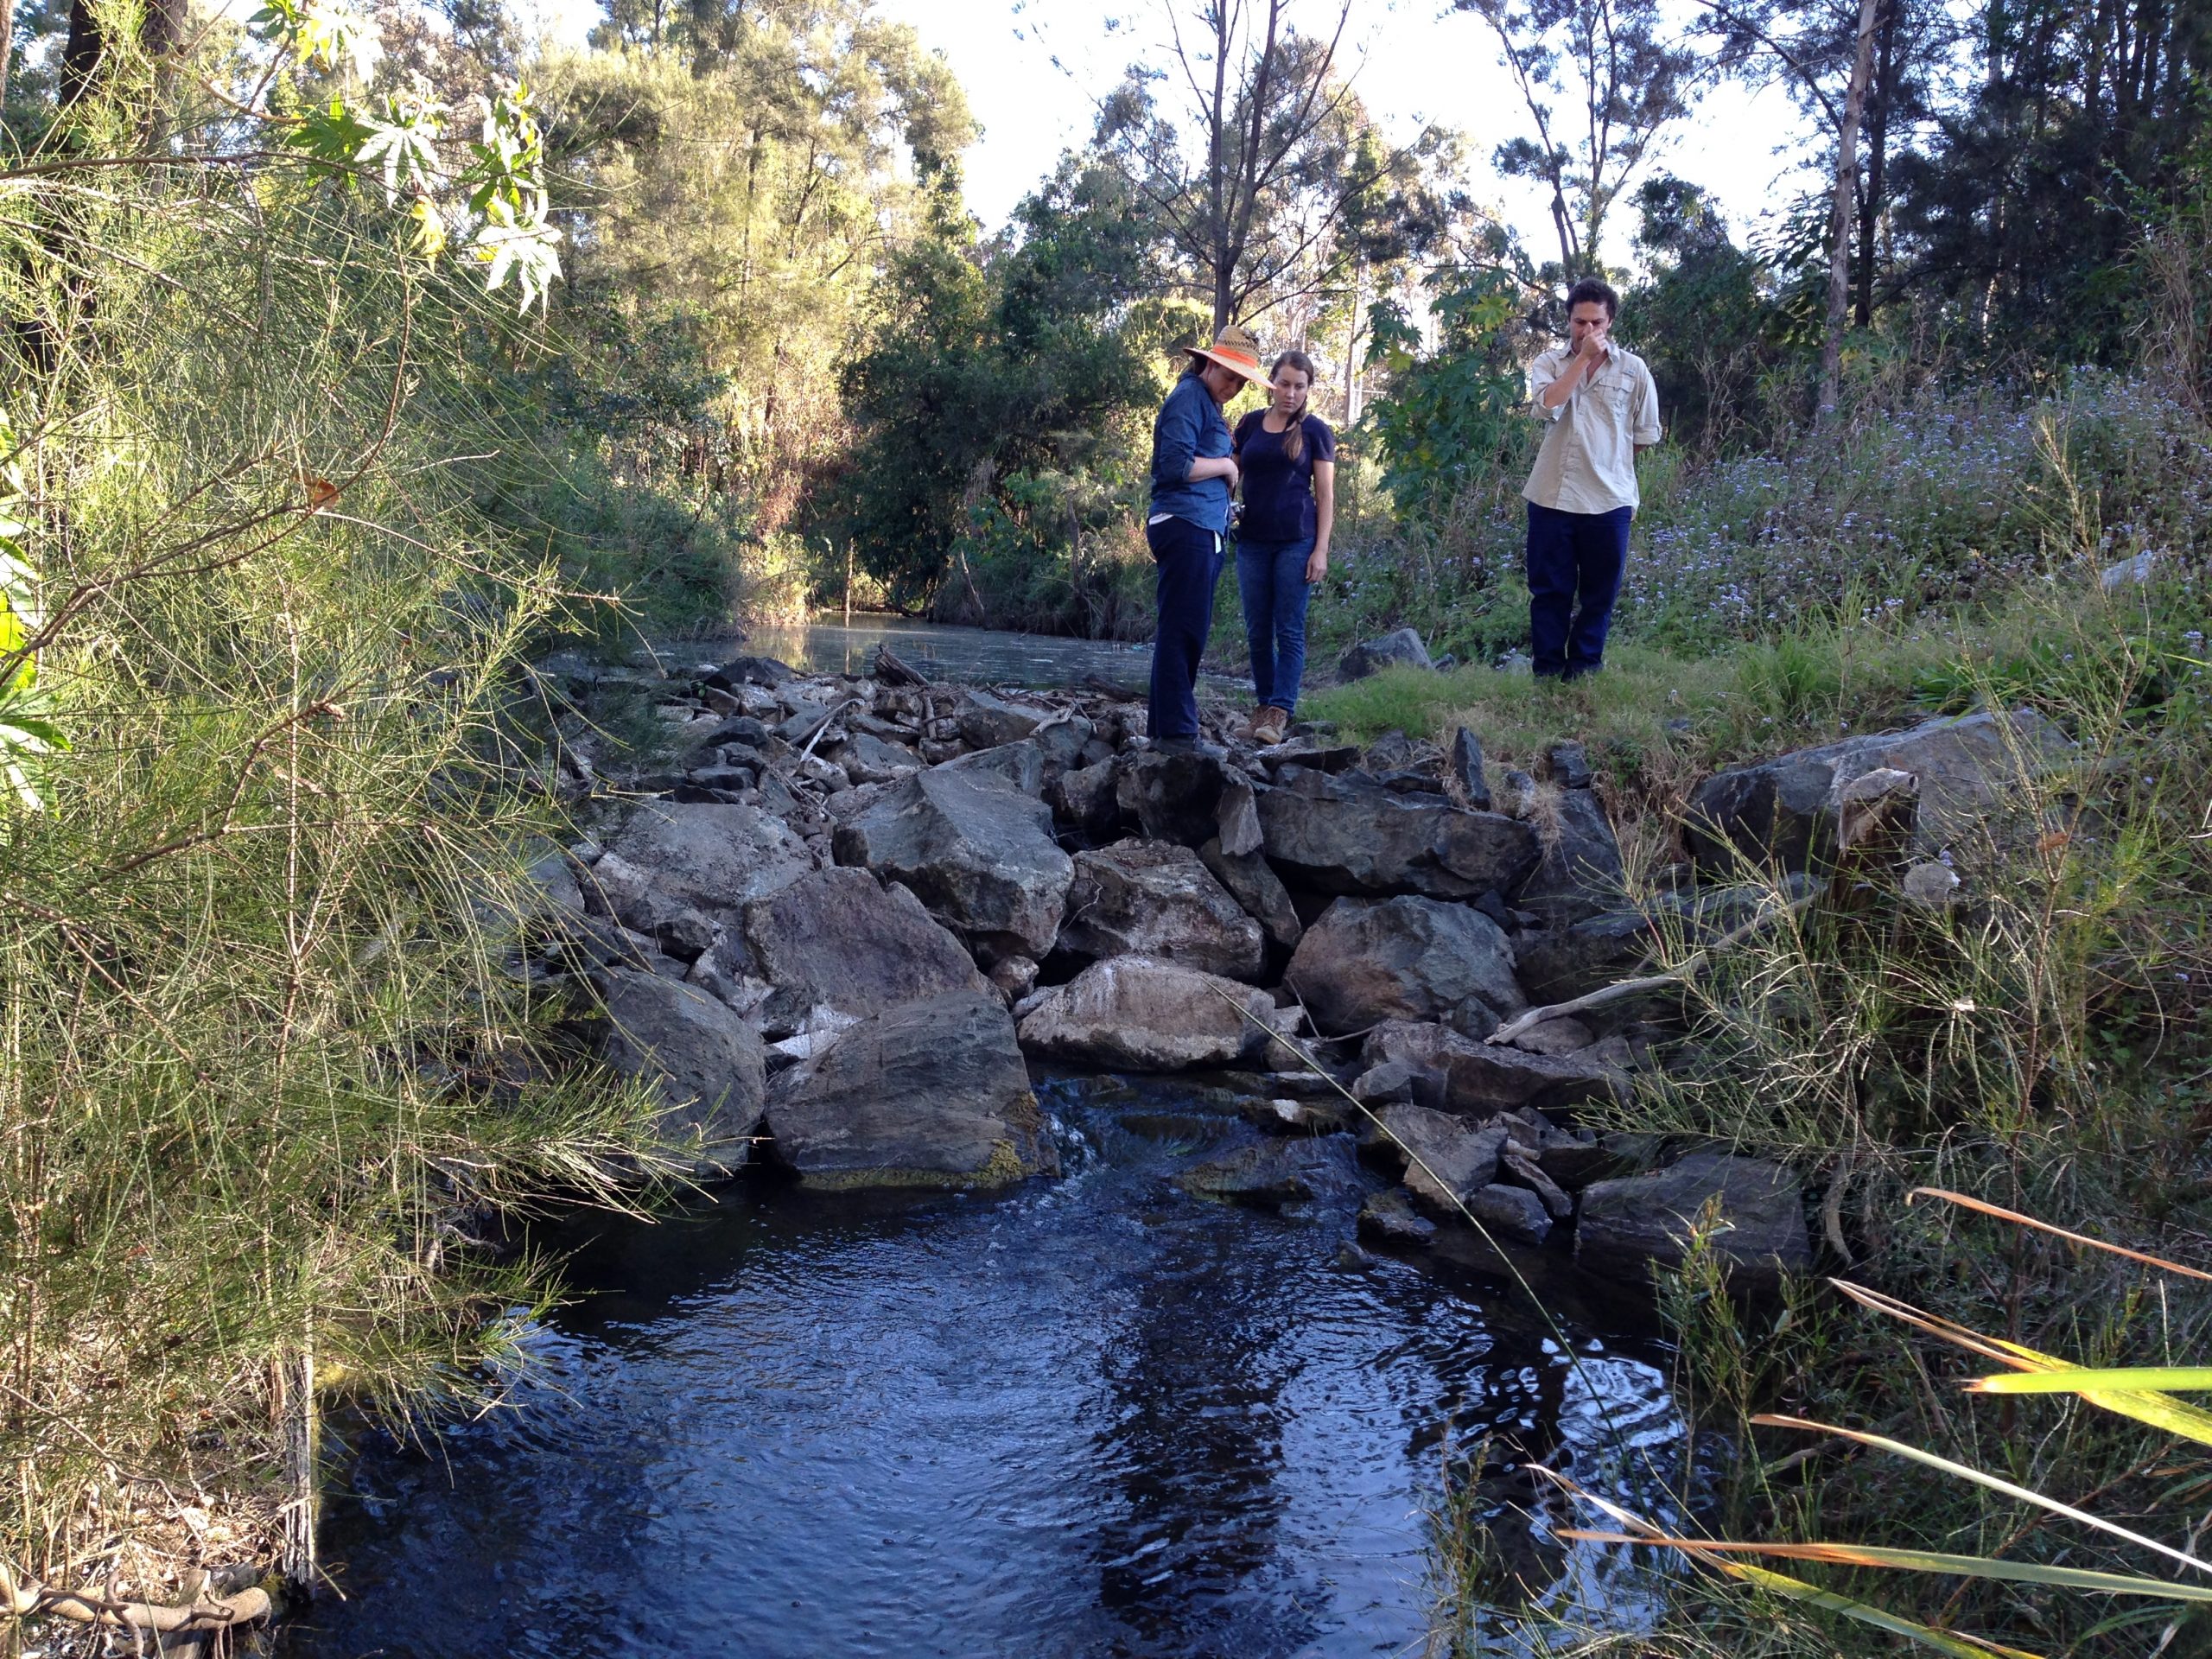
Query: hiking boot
(1270, 725)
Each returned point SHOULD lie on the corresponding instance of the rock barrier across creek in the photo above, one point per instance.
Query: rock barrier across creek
(837, 928)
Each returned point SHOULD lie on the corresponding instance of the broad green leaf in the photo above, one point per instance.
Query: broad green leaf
(1994, 1483)
(1924, 1560)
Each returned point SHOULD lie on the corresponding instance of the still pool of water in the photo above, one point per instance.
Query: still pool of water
(960, 655)
(1093, 1417)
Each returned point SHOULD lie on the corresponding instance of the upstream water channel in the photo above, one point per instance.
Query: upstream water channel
(1093, 1416)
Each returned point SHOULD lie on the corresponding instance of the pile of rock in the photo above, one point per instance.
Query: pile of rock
(833, 932)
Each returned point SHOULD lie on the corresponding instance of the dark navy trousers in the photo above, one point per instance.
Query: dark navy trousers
(1575, 562)
(1187, 564)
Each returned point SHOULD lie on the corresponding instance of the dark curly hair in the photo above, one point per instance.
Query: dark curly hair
(1590, 291)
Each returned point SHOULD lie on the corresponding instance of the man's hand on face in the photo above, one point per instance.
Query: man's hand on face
(1594, 346)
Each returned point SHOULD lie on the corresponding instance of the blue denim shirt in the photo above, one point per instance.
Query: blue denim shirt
(1190, 427)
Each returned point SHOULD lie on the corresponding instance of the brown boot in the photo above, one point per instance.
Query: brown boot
(1268, 725)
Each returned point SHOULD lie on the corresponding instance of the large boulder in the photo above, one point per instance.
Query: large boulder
(1369, 960)
(1404, 649)
(1155, 899)
(986, 722)
(1347, 834)
(1021, 764)
(1086, 799)
(1585, 956)
(975, 849)
(1479, 1080)
(1174, 796)
(931, 1093)
(1643, 1220)
(1252, 882)
(1784, 812)
(838, 937)
(1138, 1013)
(1579, 871)
(705, 1061)
(715, 857)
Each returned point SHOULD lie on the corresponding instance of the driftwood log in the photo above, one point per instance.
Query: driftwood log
(891, 670)
(23, 1598)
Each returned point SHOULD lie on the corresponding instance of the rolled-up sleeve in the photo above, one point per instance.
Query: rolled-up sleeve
(1175, 437)
(1541, 373)
(1646, 429)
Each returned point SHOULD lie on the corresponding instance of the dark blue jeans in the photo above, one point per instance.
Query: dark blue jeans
(1575, 561)
(1271, 580)
(1187, 564)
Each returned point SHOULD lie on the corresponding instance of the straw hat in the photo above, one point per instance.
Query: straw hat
(1236, 350)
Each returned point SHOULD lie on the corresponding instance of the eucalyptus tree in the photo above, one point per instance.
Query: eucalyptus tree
(1602, 82)
(1251, 157)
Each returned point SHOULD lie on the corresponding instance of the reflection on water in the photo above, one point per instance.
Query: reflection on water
(1097, 1417)
(981, 656)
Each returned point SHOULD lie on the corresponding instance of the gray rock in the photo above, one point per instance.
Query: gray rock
(1390, 1218)
(751, 671)
(581, 943)
(1404, 648)
(704, 1060)
(839, 938)
(1644, 1220)
(1556, 1037)
(1065, 742)
(1465, 786)
(1238, 819)
(1138, 1014)
(1930, 885)
(1273, 1172)
(1512, 1213)
(869, 759)
(1574, 961)
(1368, 960)
(931, 1093)
(1784, 811)
(1085, 800)
(986, 722)
(714, 857)
(1021, 764)
(1480, 1080)
(1154, 899)
(1578, 873)
(1445, 1161)
(1015, 978)
(1567, 765)
(977, 851)
(1174, 796)
(1349, 834)
(1396, 1083)
(1328, 1115)
(555, 877)
(1252, 882)
(1391, 752)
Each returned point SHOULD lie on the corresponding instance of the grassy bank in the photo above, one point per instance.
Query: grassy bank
(269, 1083)
(2040, 1044)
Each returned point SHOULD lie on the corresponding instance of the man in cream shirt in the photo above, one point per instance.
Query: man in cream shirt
(1602, 409)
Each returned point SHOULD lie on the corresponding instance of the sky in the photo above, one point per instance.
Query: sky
(1032, 68)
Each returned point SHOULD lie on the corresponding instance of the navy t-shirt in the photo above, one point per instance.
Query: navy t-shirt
(1279, 494)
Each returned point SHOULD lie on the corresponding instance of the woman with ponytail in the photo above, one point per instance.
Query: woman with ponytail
(1289, 460)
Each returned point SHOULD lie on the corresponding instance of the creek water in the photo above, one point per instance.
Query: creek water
(1093, 1416)
(972, 656)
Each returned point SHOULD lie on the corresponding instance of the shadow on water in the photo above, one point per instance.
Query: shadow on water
(1093, 1417)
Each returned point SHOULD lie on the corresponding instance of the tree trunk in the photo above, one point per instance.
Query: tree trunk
(7, 44)
(1846, 186)
(1882, 92)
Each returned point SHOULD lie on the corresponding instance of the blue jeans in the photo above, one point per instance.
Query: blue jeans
(1187, 564)
(1271, 577)
(1575, 562)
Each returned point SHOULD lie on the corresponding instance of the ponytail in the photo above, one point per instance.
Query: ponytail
(1293, 438)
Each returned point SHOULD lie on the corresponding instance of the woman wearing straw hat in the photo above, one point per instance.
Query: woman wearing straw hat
(1192, 477)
